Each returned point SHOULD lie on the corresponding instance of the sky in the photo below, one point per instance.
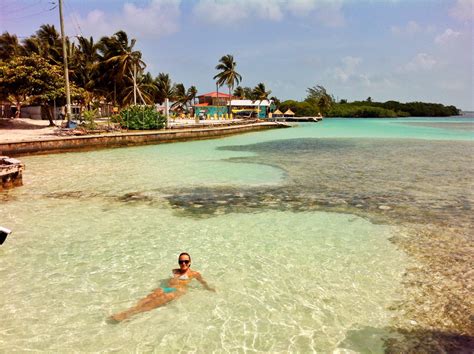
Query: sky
(404, 50)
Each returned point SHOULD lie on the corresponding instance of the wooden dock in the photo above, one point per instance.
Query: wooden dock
(11, 173)
(299, 119)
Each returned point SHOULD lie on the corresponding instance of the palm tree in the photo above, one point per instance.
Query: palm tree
(181, 97)
(276, 101)
(259, 94)
(239, 92)
(46, 43)
(165, 88)
(145, 87)
(192, 93)
(9, 46)
(227, 75)
(248, 93)
(120, 60)
(83, 63)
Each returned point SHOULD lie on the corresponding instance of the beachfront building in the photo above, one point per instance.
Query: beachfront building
(258, 108)
(212, 105)
(216, 104)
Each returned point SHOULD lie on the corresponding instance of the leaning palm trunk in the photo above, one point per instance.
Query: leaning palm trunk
(230, 103)
(134, 77)
(141, 96)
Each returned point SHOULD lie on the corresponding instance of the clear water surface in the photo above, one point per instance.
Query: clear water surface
(292, 226)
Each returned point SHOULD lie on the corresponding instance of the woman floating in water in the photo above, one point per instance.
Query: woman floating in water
(177, 286)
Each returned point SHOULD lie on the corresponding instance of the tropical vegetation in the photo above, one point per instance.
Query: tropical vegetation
(111, 70)
(319, 101)
(140, 118)
(228, 74)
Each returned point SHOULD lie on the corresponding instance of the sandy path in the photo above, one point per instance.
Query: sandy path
(25, 129)
(21, 129)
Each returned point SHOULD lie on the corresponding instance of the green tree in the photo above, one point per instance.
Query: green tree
(144, 86)
(324, 103)
(120, 61)
(181, 97)
(9, 46)
(83, 65)
(259, 94)
(318, 97)
(33, 79)
(46, 42)
(165, 88)
(248, 93)
(239, 92)
(276, 101)
(228, 74)
(192, 94)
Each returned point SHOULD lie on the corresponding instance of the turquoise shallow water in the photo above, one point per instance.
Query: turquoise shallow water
(286, 224)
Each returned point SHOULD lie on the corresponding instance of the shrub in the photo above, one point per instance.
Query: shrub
(89, 119)
(141, 118)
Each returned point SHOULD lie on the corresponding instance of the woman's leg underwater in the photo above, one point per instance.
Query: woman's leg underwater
(150, 302)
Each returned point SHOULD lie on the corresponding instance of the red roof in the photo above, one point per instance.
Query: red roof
(214, 94)
(201, 104)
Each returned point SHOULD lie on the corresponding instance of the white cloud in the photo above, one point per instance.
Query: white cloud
(410, 29)
(330, 13)
(220, 12)
(229, 12)
(349, 71)
(463, 10)
(301, 7)
(156, 19)
(421, 62)
(447, 36)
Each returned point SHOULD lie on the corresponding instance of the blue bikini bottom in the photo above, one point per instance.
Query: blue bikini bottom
(168, 290)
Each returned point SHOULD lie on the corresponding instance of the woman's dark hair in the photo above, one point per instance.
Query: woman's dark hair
(184, 254)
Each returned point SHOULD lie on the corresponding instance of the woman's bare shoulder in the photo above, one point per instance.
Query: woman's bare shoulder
(195, 273)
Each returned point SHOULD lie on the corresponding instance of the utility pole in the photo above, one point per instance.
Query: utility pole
(66, 71)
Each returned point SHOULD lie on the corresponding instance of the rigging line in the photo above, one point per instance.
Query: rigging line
(72, 16)
(74, 27)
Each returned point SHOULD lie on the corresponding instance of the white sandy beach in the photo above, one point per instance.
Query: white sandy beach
(23, 129)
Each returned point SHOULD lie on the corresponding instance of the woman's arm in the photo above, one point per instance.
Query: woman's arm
(200, 279)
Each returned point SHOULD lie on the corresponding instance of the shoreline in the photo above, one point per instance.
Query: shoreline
(47, 143)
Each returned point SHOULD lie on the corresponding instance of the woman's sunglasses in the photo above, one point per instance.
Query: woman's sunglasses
(185, 261)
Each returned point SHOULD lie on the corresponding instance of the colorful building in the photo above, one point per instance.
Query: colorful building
(216, 104)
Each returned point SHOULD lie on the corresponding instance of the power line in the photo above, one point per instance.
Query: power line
(74, 20)
(14, 18)
(5, 8)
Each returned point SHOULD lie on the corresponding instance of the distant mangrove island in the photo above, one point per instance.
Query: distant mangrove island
(318, 101)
